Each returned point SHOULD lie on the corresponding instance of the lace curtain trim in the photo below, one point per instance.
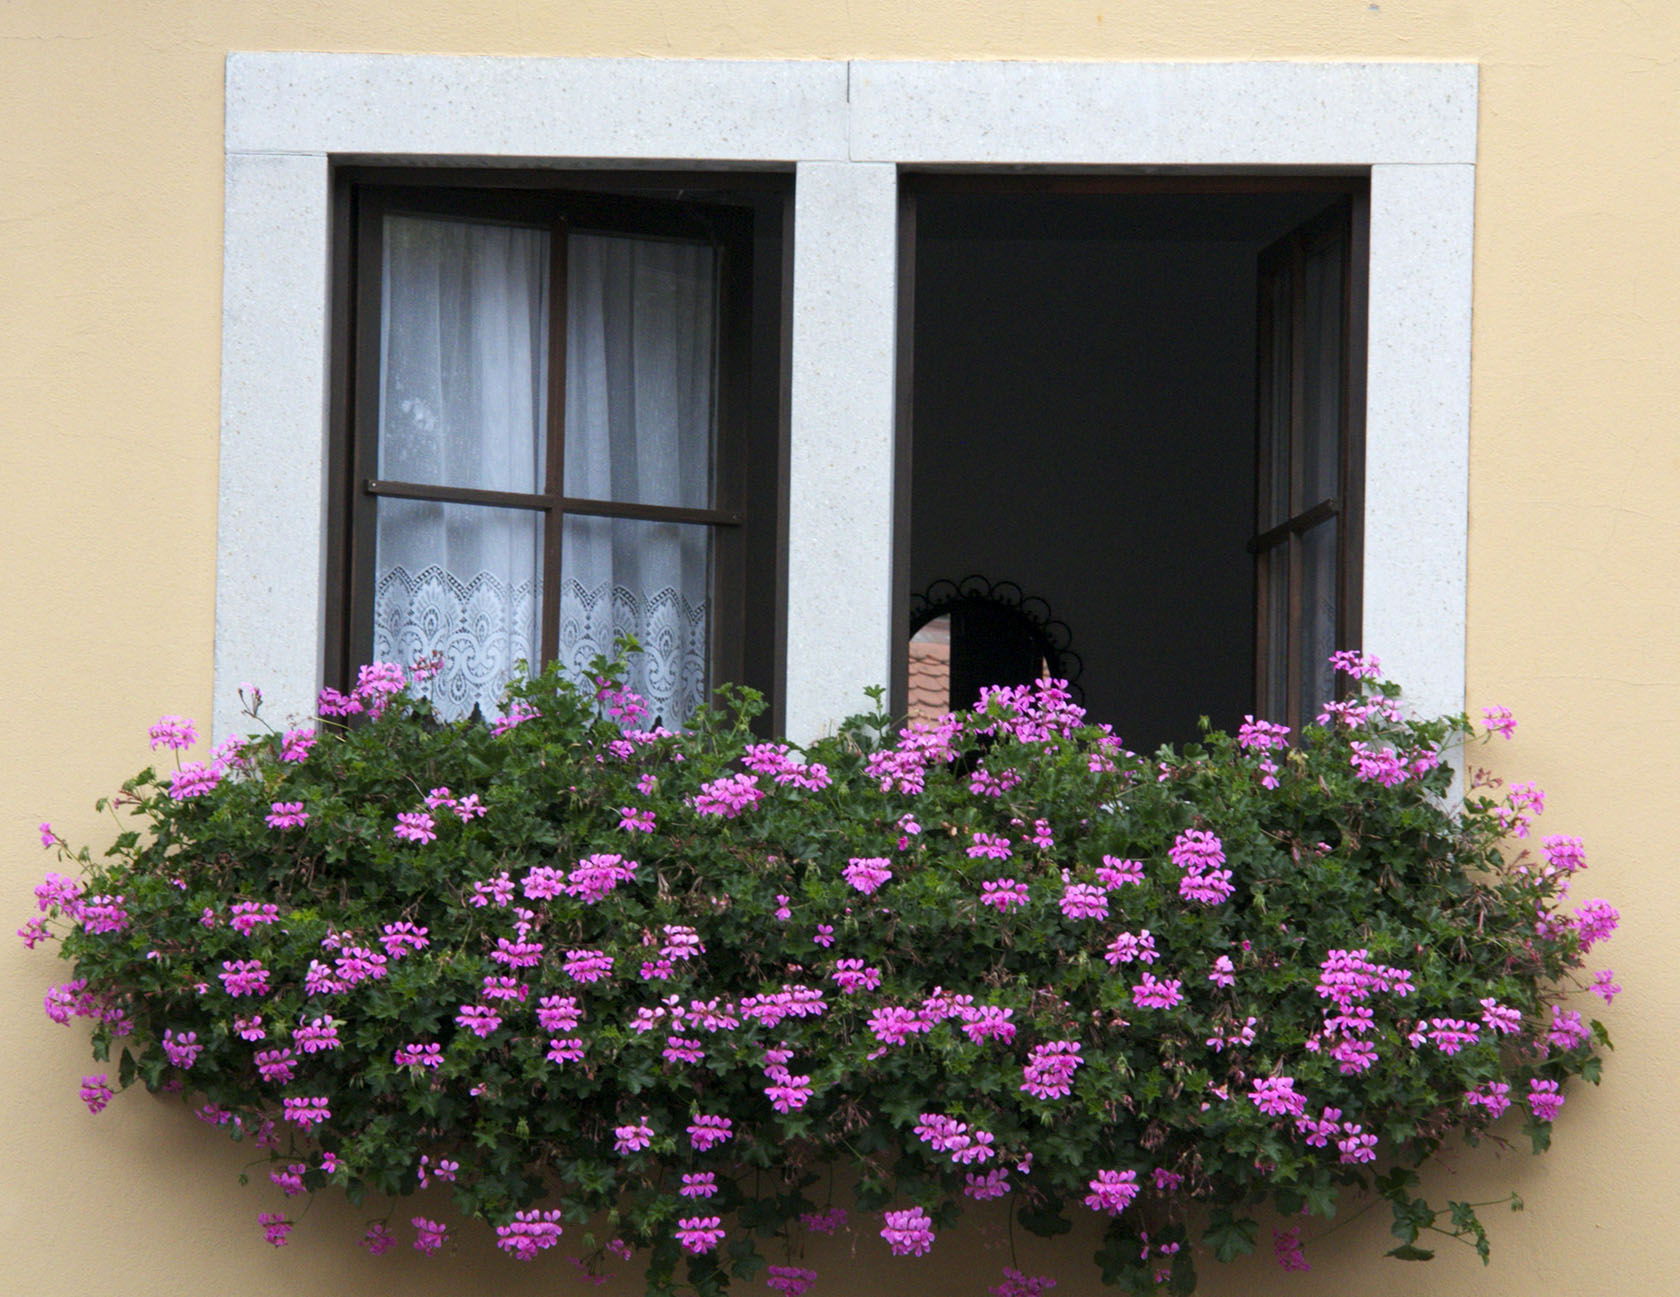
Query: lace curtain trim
(670, 672)
(484, 627)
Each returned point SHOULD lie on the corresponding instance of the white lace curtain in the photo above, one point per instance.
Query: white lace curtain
(639, 417)
(464, 344)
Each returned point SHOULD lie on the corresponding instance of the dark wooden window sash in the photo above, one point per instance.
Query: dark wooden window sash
(738, 532)
(1348, 221)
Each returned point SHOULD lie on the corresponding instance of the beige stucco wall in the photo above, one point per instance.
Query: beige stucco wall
(110, 208)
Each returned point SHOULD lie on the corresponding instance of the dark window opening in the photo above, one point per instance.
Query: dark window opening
(1120, 395)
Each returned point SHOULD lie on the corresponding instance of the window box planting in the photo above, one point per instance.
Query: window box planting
(641, 993)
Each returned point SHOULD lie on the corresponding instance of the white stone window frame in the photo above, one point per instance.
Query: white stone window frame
(846, 128)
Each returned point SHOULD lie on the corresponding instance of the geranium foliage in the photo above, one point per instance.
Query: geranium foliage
(655, 988)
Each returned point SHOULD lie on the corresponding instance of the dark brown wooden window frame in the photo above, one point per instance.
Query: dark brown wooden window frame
(1352, 215)
(747, 218)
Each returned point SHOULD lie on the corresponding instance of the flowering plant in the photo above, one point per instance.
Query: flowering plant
(654, 986)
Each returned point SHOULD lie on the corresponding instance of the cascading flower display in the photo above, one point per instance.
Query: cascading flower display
(669, 979)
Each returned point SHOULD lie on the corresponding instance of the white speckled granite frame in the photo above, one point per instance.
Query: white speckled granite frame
(846, 127)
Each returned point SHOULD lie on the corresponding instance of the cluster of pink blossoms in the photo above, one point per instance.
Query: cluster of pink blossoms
(868, 874)
(1003, 894)
(824, 1222)
(1157, 993)
(1595, 921)
(698, 1184)
(954, 1138)
(698, 1234)
(104, 914)
(728, 796)
(632, 1137)
(419, 1054)
(286, 815)
(632, 820)
(306, 1111)
(1494, 1096)
(528, 1233)
(790, 1281)
(786, 1092)
(182, 1049)
(1236, 1036)
(1199, 854)
(774, 1007)
(1033, 714)
(1499, 720)
(96, 1092)
(245, 917)
(1263, 736)
(290, 1179)
(776, 760)
(401, 937)
(1286, 1247)
(1049, 1069)
(908, 1233)
(244, 977)
(1084, 901)
(173, 732)
(466, 809)
(415, 826)
(275, 1227)
(518, 712)
(985, 783)
(1544, 1100)
(588, 965)
(709, 1129)
(1115, 873)
(60, 892)
(316, 1035)
(851, 976)
(194, 779)
(296, 745)
(1017, 1284)
(429, 1235)
(1276, 1097)
(376, 684)
(276, 1065)
(596, 876)
(922, 746)
(1112, 1191)
(989, 846)
(1353, 1143)
(983, 1188)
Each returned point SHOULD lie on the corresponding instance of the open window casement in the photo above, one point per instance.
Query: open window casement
(1310, 464)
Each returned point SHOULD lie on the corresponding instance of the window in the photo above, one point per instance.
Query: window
(1090, 361)
(551, 437)
(841, 133)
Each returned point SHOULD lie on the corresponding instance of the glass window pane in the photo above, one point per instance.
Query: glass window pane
(648, 579)
(1275, 505)
(463, 354)
(641, 362)
(1322, 361)
(1318, 617)
(463, 581)
(1275, 702)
